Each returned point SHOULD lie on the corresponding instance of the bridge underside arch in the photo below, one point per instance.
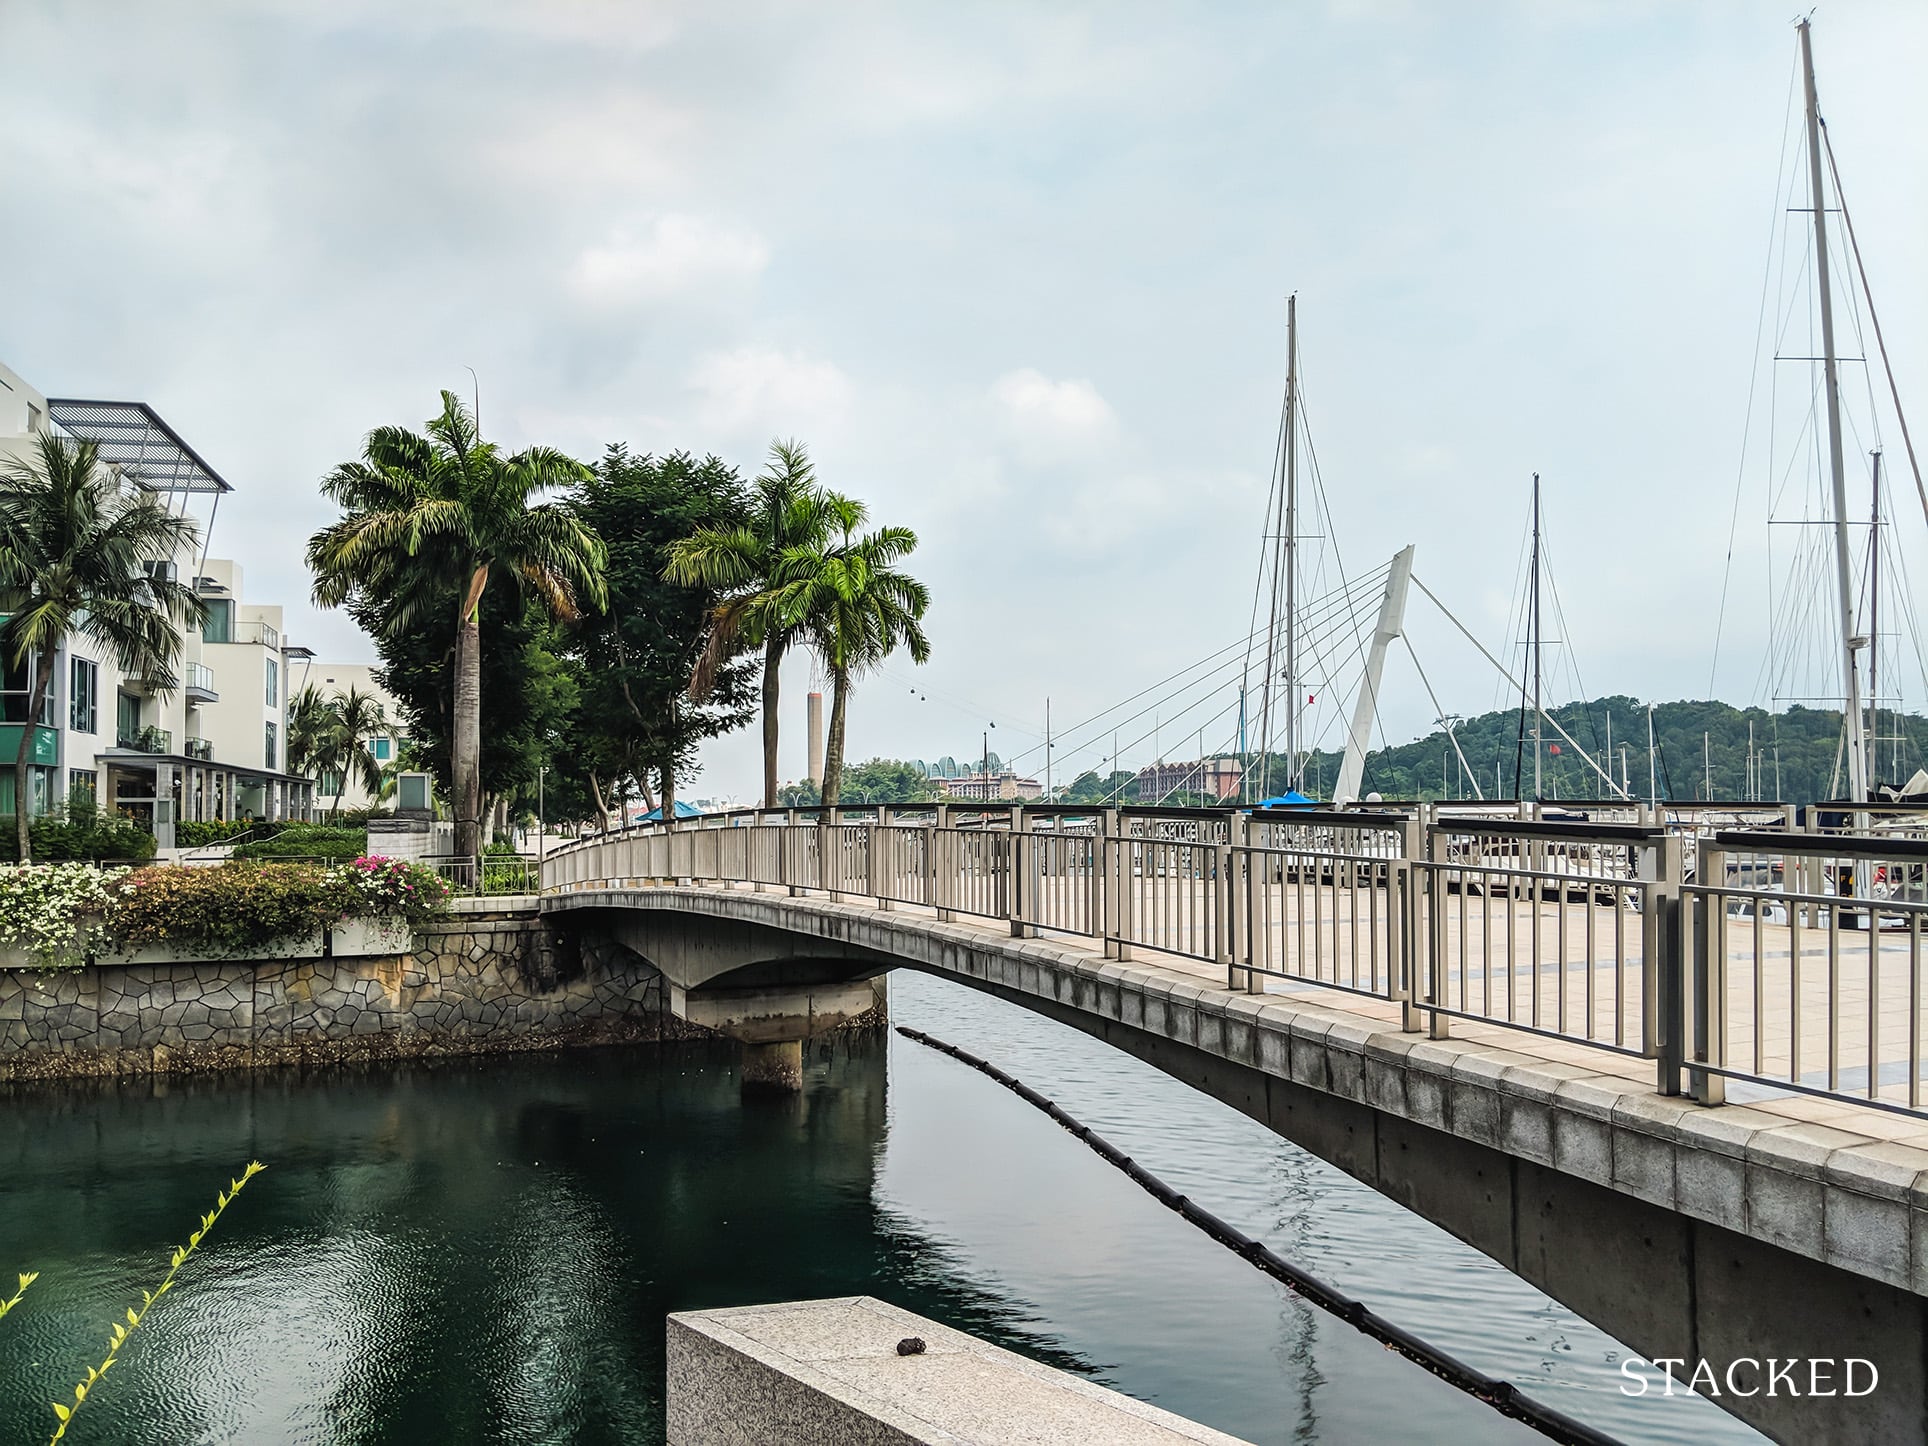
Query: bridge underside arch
(1481, 1160)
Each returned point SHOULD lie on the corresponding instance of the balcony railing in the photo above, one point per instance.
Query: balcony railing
(199, 680)
(200, 748)
(147, 740)
(264, 634)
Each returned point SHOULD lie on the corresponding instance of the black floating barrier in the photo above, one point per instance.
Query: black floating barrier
(1502, 1395)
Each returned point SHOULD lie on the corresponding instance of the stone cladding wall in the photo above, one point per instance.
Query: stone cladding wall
(478, 983)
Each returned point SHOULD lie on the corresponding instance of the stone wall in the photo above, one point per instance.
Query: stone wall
(478, 983)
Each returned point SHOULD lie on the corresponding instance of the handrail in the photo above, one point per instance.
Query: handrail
(1823, 845)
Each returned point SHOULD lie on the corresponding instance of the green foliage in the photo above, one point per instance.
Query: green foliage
(804, 793)
(1117, 787)
(308, 841)
(57, 914)
(118, 1337)
(886, 780)
(79, 831)
(236, 907)
(638, 720)
(199, 833)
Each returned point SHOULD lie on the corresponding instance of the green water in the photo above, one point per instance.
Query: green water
(485, 1250)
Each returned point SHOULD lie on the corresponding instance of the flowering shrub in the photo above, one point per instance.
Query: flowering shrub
(56, 913)
(395, 889)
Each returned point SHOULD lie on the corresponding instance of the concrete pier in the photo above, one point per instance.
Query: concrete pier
(845, 1373)
(776, 1065)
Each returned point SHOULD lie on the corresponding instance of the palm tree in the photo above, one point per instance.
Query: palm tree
(790, 511)
(356, 717)
(309, 719)
(856, 607)
(74, 552)
(428, 519)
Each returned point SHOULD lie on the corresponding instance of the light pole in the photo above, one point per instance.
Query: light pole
(542, 770)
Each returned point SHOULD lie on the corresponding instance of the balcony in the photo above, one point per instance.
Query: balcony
(146, 740)
(262, 634)
(200, 748)
(199, 684)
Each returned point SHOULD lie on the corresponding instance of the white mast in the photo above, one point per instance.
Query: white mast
(1392, 624)
(1292, 540)
(1844, 581)
(1536, 638)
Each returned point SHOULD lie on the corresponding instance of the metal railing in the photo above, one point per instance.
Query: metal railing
(492, 875)
(1788, 958)
(146, 740)
(198, 677)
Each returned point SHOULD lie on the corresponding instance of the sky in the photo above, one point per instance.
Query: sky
(1016, 275)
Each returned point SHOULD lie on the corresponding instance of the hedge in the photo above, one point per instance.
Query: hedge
(309, 841)
(78, 833)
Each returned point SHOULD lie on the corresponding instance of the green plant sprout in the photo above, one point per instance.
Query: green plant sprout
(25, 1281)
(95, 1374)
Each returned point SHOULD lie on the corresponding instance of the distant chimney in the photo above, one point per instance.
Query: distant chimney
(815, 726)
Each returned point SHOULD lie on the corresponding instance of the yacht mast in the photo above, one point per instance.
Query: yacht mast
(1537, 641)
(1291, 540)
(1844, 582)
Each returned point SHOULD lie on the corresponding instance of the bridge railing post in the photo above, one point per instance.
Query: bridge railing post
(1401, 920)
(1664, 963)
(1708, 998)
(1224, 901)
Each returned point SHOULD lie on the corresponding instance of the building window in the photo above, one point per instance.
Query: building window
(83, 789)
(330, 785)
(218, 626)
(40, 781)
(83, 697)
(381, 750)
(274, 683)
(127, 719)
(270, 753)
(16, 692)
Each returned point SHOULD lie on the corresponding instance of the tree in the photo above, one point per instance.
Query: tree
(886, 780)
(308, 724)
(639, 651)
(75, 549)
(857, 608)
(429, 518)
(789, 512)
(356, 718)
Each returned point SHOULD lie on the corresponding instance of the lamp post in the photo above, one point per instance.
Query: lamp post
(542, 770)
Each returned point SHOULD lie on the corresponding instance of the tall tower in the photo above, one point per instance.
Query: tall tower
(814, 725)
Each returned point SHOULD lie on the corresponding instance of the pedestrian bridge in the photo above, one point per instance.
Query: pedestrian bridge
(1665, 1069)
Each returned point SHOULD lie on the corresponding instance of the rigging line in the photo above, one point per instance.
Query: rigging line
(1258, 581)
(1467, 634)
(1875, 317)
(1209, 682)
(1569, 653)
(1754, 377)
(1218, 656)
(1211, 671)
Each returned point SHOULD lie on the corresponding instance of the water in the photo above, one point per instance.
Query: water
(485, 1250)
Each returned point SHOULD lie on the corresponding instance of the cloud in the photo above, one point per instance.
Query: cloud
(1053, 419)
(676, 258)
(772, 392)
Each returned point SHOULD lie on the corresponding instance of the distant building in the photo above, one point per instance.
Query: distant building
(991, 787)
(1216, 778)
(331, 679)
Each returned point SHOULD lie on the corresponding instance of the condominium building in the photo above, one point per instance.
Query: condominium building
(207, 743)
(989, 787)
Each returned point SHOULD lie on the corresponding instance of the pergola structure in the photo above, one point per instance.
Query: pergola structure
(132, 437)
(185, 789)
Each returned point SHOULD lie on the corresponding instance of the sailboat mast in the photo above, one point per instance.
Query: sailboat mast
(1292, 539)
(1874, 628)
(1534, 631)
(1843, 575)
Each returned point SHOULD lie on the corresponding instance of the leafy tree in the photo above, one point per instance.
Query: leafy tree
(639, 651)
(857, 606)
(428, 519)
(886, 780)
(308, 723)
(74, 545)
(356, 718)
(1115, 787)
(804, 793)
(789, 512)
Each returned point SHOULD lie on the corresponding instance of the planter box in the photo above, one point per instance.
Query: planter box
(361, 938)
(299, 946)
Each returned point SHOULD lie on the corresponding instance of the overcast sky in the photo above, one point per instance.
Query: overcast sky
(1015, 273)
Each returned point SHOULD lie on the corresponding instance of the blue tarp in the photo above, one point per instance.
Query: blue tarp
(683, 810)
(1290, 799)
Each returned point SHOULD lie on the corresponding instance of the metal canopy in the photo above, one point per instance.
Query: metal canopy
(132, 436)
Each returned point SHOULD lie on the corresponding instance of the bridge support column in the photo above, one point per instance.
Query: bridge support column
(776, 1067)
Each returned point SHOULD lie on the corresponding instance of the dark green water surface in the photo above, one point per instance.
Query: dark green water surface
(485, 1250)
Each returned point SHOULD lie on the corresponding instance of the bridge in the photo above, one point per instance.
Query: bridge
(1664, 1064)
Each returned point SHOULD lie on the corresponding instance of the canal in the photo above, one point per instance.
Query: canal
(484, 1250)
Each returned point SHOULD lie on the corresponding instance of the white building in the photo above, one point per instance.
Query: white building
(204, 745)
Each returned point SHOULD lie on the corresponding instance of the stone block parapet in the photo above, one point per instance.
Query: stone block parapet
(831, 1373)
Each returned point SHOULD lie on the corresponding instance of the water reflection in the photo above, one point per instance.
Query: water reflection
(485, 1250)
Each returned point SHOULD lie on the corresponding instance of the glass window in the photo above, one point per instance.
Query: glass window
(16, 688)
(270, 752)
(381, 750)
(83, 788)
(329, 784)
(40, 780)
(127, 719)
(218, 627)
(274, 683)
(83, 697)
